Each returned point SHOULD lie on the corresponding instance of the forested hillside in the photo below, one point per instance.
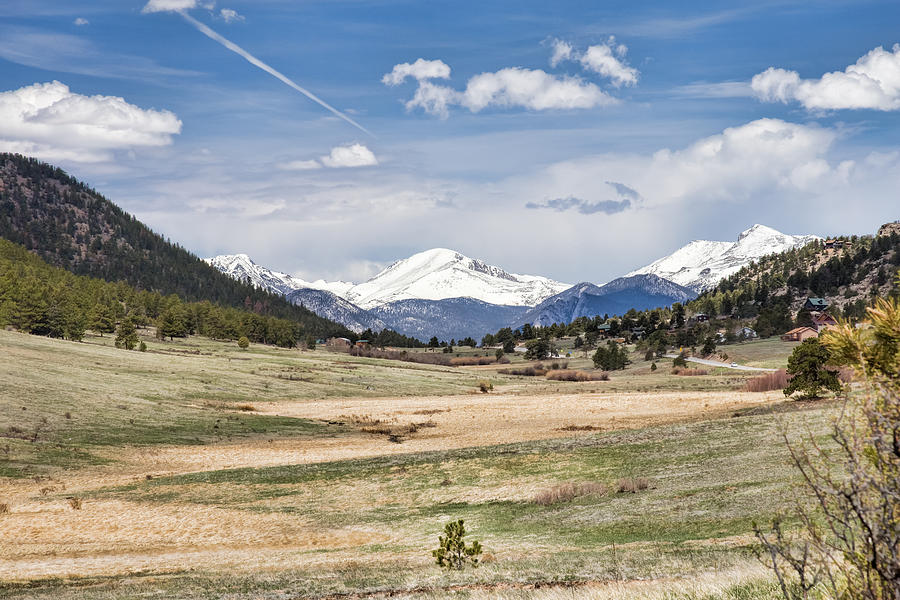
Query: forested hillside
(44, 300)
(73, 227)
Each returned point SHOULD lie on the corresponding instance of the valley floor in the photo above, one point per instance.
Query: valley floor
(198, 470)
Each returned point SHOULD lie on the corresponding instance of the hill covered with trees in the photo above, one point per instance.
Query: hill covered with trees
(73, 227)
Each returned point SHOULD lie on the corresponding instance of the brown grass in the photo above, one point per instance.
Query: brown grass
(567, 492)
(689, 372)
(776, 380)
(632, 485)
(472, 361)
(578, 428)
(572, 375)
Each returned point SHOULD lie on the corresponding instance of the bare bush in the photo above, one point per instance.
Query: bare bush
(689, 372)
(572, 375)
(566, 492)
(245, 407)
(485, 386)
(847, 542)
(4, 508)
(525, 371)
(632, 485)
(472, 361)
(776, 380)
(75, 503)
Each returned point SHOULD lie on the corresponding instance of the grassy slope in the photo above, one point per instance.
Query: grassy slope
(79, 396)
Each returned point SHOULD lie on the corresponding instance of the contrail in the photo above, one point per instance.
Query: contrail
(256, 62)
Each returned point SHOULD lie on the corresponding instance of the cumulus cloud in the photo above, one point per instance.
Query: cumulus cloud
(562, 51)
(48, 120)
(873, 82)
(354, 155)
(351, 155)
(420, 70)
(532, 89)
(606, 59)
(761, 158)
(80, 21)
(154, 6)
(230, 15)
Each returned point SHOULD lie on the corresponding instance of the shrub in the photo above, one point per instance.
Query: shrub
(689, 372)
(452, 552)
(471, 361)
(632, 485)
(74, 503)
(652, 366)
(679, 361)
(567, 492)
(768, 382)
(570, 375)
(808, 372)
(245, 407)
(4, 508)
(243, 342)
(142, 347)
(539, 371)
(485, 386)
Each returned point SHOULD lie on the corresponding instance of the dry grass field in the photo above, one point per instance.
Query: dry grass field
(198, 470)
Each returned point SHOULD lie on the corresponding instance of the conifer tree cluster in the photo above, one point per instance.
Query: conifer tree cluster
(44, 300)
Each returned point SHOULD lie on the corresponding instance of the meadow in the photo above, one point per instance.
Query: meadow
(199, 470)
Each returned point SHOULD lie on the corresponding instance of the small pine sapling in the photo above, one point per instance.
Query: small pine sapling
(453, 552)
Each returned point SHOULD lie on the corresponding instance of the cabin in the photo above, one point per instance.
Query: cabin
(603, 329)
(701, 317)
(816, 304)
(637, 333)
(799, 334)
(823, 321)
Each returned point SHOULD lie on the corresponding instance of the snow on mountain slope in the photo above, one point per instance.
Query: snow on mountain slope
(242, 268)
(331, 306)
(439, 274)
(617, 297)
(701, 264)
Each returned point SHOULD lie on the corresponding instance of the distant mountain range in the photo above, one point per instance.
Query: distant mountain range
(701, 264)
(444, 293)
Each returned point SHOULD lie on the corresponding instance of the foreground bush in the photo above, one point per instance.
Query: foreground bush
(849, 520)
(769, 382)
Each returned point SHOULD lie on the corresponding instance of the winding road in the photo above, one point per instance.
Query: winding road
(716, 363)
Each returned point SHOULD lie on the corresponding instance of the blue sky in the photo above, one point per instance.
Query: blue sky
(659, 123)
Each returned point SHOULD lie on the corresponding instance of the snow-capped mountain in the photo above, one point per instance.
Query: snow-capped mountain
(701, 264)
(331, 306)
(242, 268)
(617, 297)
(439, 274)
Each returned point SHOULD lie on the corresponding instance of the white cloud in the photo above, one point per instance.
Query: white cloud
(533, 89)
(230, 15)
(351, 155)
(750, 161)
(562, 51)
(354, 155)
(300, 165)
(873, 82)
(80, 21)
(50, 121)
(169, 5)
(420, 70)
(604, 59)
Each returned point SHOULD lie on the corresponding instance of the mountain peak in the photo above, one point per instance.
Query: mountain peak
(701, 264)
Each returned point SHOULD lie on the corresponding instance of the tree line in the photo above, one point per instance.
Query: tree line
(40, 299)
